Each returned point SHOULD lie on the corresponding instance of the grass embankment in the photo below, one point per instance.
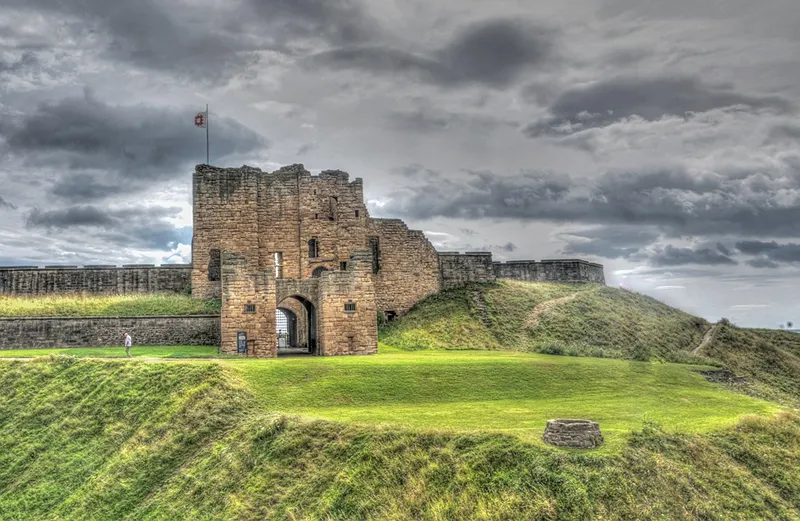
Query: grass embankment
(106, 306)
(577, 319)
(118, 352)
(101, 440)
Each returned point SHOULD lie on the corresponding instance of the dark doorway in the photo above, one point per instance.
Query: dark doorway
(317, 273)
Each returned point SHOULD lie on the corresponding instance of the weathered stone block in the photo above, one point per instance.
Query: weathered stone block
(582, 434)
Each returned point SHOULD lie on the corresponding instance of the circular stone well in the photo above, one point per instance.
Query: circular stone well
(581, 434)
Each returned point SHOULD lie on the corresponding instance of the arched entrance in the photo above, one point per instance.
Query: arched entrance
(317, 273)
(296, 326)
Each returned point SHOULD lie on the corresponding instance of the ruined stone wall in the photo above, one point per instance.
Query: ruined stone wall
(243, 285)
(296, 207)
(292, 208)
(571, 270)
(458, 269)
(343, 331)
(408, 266)
(53, 280)
(29, 333)
(225, 219)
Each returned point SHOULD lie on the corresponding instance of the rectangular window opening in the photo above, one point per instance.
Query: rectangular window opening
(356, 213)
(278, 264)
(343, 266)
(374, 246)
(214, 266)
(333, 203)
(313, 248)
(349, 307)
(249, 308)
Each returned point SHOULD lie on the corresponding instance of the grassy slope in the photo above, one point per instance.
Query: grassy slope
(513, 393)
(101, 440)
(106, 306)
(555, 318)
(598, 321)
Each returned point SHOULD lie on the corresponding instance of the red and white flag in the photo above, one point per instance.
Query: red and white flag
(201, 120)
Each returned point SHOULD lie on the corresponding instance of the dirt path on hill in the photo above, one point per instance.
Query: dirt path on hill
(707, 339)
(547, 305)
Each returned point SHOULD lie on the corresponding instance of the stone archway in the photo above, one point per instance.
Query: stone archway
(317, 273)
(301, 325)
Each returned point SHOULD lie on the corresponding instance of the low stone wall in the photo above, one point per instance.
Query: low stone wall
(30, 333)
(581, 434)
(568, 270)
(131, 278)
(457, 269)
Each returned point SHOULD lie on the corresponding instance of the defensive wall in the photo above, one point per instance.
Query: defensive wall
(460, 268)
(105, 279)
(30, 333)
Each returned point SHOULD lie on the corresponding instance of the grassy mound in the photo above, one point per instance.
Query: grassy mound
(585, 319)
(106, 306)
(103, 440)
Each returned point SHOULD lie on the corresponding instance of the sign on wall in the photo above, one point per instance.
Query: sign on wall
(242, 343)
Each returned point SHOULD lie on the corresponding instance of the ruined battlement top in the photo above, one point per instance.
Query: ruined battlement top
(96, 267)
(550, 261)
(292, 170)
(469, 253)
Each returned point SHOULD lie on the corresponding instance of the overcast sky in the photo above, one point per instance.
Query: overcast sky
(658, 138)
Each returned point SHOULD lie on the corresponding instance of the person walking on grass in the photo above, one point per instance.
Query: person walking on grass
(128, 343)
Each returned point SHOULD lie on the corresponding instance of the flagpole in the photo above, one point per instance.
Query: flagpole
(208, 162)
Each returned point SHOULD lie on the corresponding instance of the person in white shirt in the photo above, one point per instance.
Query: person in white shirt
(128, 343)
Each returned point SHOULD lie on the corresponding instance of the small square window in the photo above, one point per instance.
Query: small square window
(249, 308)
(350, 307)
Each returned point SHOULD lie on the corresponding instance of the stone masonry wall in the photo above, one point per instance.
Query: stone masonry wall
(28, 333)
(458, 269)
(261, 214)
(344, 332)
(241, 286)
(51, 280)
(408, 266)
(225, 219)
(551, 271)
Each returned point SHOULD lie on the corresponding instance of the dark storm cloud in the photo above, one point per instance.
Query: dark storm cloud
(105, 149)
(418, 121)
(610, 242)
(672, 256)
(493, 53)
(127, 227)
(762, 263)
(608, 101)
(27, 60)
(6, 205)
(724, 249)
(205, 41)
(785, 132)
(772, 251)
(677, 203)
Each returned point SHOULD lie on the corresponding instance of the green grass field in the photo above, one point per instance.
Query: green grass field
(106, 306)
(506, 392)
(118, 352)
(512, 393)
(108, 439)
